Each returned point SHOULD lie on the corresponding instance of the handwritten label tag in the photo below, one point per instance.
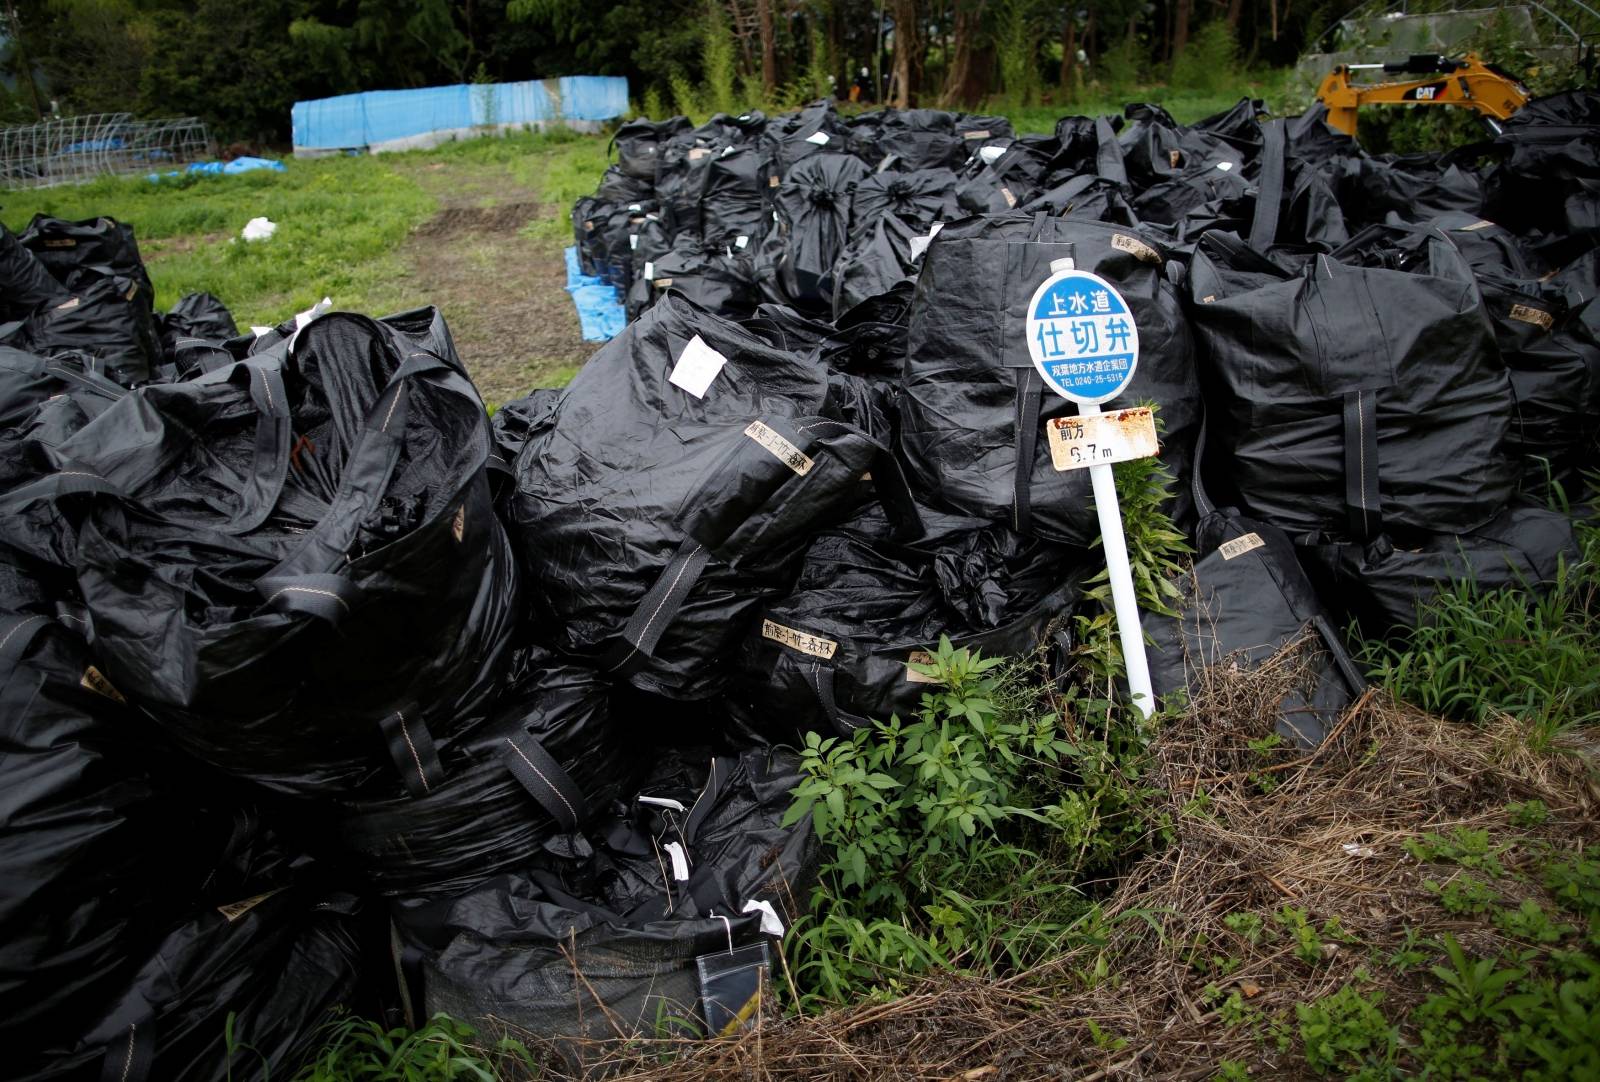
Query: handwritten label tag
(1240, 545)
(1135, 247)
(1101, 439)
(794, 639)
(234, 910)
(95, 681)
(1526, 313)
(781, 449)
(697, 365)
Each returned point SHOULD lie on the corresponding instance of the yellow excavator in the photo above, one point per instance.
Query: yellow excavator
(1466, 83)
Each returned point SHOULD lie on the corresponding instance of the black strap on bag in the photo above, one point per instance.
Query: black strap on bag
(1363, 505)
(538, 772)
(1269, 188)
(820, 680)
(413, 752)
(1029, 404)
(706, 802)
(657, 609)
(329, 597)
(1108, 161)
(130, 1057)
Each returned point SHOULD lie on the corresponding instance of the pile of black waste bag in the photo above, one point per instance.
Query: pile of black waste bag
(324, 691)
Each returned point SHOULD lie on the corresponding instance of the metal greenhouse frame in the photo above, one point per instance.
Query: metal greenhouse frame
(71, 150)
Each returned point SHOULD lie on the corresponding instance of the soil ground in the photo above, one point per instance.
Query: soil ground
(500, 284)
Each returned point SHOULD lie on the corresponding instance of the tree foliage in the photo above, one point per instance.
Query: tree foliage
(240, 64)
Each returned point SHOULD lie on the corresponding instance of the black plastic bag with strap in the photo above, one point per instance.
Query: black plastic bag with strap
(104, 833)
(1244, 601)
(284, 558)
(25, 283)
(1350, 397)
(548, 755)
(685, 470)
(844, 649)
(1384, 584)
(600, 940)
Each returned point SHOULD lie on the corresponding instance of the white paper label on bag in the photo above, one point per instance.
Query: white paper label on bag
(818, 137)
(919, 245)
(680, 861)
(633, 240)
(697, 366)
(990, 155)
(649, 271)
(1101, 438)
(771, 923)
(741, 241)
(1224, 166)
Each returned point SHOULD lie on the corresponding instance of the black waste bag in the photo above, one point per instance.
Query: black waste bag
(25, 284)
(1351, 397)
(1546, 185)
(197, 315)
(294, 562)
(585, 213)
(1551, 350)
(78, 253)
(813, 209)
(917, 198)
(109, 319)
(42, 402)
(734, 201)
(638, 144)
(1413, 188)
(272, 967)
(1383, 584)
(816, 129)
(1014, 177)
(617, 186)
(1245, 600)
(683, 159)
(716, 277)
(687, 466)
(1084, 196)
(888, 253)
(101, 834)
(840, 651)
(605, 933)
(975, 407)
(546, 758)
(519, 418)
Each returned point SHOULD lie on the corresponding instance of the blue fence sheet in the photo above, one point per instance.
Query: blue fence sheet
(600, 311)
(382, 116)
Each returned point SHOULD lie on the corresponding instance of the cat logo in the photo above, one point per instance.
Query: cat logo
(458, 525)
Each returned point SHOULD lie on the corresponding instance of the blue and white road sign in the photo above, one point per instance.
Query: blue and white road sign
(1082, 337)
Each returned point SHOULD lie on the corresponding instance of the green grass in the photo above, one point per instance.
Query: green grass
(1477, 655)
(340, 220)
(443, 1050)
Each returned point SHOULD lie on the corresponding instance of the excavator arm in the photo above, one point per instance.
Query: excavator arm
(1466, 83)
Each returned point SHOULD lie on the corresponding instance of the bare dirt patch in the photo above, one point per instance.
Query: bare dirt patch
(502, 290)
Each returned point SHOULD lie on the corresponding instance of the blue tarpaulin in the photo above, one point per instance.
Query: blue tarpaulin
(226, 169)
(392, 119)
(600, 310)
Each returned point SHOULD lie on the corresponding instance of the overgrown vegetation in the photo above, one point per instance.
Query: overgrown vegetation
(1534, 655)
(443, 1050)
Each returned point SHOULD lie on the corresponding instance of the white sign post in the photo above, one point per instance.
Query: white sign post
(1083, 340)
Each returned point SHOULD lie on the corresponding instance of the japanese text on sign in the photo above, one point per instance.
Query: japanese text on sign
(1101, 438)
(1082, 337)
